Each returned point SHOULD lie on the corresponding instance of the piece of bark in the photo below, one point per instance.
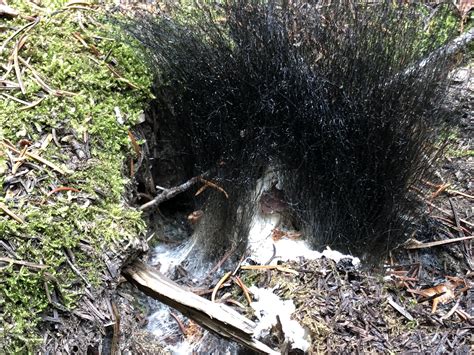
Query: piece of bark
(215, 317)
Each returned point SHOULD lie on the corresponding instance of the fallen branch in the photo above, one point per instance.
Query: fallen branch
(215, 317)
(448, 50)
(168, 194)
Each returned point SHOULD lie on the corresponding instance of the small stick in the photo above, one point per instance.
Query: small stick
(399, 308)
(238, 304)
(448, 213)
(222, 261)
(439, 190)
(456, 192)
(415, 245)
(218, 286)
(170, 193)
(451, 311)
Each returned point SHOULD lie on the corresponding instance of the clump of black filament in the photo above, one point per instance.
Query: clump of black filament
(330, 96)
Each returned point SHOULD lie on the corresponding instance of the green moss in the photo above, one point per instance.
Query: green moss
(56, 223)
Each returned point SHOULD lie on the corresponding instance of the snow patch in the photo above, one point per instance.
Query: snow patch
(261, 244)
(268, 307)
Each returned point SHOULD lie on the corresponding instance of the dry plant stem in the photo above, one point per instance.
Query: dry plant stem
(31, 105)
(180, 324)
(451, 311)
(437, 243)
(439, 190)
(244, 288)
(215, 186)
(172, 192)
(23, 263)
(41, 82)
(23, 102)
(448, 213)
(269, 267)
(218, 286)
(222, 261)
(455, 192)
(5, 209)
(16, 65)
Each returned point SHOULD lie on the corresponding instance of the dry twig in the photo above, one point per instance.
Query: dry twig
(170, 193)
(415, 244)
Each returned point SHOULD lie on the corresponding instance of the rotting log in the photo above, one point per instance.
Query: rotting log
(215, 317)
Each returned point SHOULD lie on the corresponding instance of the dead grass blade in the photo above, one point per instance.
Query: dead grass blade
(6, 210)
(27, 27)
(215, 186)
(218, 286)
(244, 288)
(23, 263)
(35, 157)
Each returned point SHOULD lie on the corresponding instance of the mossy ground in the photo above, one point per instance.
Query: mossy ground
(72, 49)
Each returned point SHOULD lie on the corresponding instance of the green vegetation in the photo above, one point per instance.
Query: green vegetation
(76, 77)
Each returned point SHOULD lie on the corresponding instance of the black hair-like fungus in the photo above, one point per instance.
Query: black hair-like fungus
(331, 96)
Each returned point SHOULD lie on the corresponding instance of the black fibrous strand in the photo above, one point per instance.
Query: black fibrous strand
(320, 93)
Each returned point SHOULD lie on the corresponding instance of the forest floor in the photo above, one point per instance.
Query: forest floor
(71, 94)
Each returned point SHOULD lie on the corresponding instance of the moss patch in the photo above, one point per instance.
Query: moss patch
(77, 80)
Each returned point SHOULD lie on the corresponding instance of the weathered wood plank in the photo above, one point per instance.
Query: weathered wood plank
(215, 317)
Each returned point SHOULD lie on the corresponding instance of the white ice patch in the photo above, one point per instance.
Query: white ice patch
(164, 327)
(169, 256)
(267, 308)
(261, 243)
